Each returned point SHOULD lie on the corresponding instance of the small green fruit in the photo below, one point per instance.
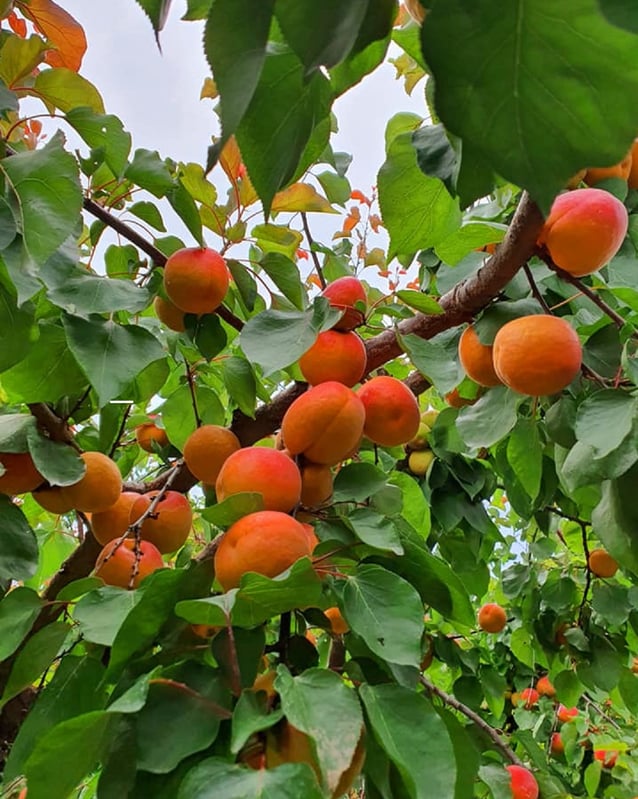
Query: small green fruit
(429, 417)
(419, 461)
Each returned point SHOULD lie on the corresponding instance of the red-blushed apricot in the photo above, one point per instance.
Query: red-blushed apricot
(335, 355)
(117, 567)
(316, 484)
(632, 178)
(114, 521)
(20, 474)
(99, 488)
(584, 230)
(556, 745)
(524, 785)
(196, 280)
(528, 697)
(148, 433)
(566, 714)
(601, 563)
(492, 618)
(476, 359)
(168, 526)
(607, 757)
(268, 472)
(53, 500)
(207, 449)
(537, 355)
(338, 624)
(392, 411)
(267, 542)
(169, 314)
(345, 293)
(313, 541)
(621, 170)
(325, 424)
(544, 687)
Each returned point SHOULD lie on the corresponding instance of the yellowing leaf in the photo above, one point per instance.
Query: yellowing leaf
(209, 90)
(230, 159)
(61, 29)
(301, 197)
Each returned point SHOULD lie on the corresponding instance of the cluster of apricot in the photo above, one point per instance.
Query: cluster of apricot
(420, 456)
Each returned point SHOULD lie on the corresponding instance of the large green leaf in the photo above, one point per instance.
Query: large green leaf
(103, 133)
(65, 89)
(18, 545)
(548, 101)
(414, 737)
(284, 273)
(178, 415)
(100, 613)
(149, 172)
(18, 610)
(17, 329)
(615, 519)
(20, 56)
(436, 359)
(59, 463)
(213, 778)
(490, 419)
(47, 190)
(605, 419)
(525, 456)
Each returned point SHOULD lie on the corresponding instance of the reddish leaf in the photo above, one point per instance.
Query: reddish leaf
(61, 29)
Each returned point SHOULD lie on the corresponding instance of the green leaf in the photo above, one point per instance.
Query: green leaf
(65, 89)
(18, 610)
(17, 328)
(621, 13)
(569, 688)
(157, 12)
(78, 743)
(415, 510)
(178, 415)
(149, 172)
(525, 456)
(35, 657)
(615, 519)
(285, 275)
(375, 530)
(18, 545)
(184, 206)
(103, 132)
(59, 463)
(605, 419)
(467, 239)
(277, 239)
(535, 112)
(490, 419)
(419, 301)
(437, 359)
(241, 384)
(414, 737)
(417, 211)
(14, 429)
(213, 778)
(207, 333)
(110, 355)
(149, 213)
(337, 188)
(245, 283)
(233, 508)
(101, 612)
(355, 482)
(47, 190)
(392, 631)
(8, 99)
(20, 56)
(591, 777)
(251, 715)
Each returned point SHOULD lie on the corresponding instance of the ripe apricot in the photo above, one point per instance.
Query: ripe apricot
(168, 526)
(196, 279)
(114, 521)
(492, 618)
(316, 484)
(267, 542)
(147, 433)
(528, 697)
(99, 488)
(206, 450)
(607, 757)
(584, 230)
(544, 687)
(632, 178)
(556, 745)
(537, 355)
(309, 530)
(335, 355)
(476, 359)
(338, 624)
(53, 499)
(345, 293)
(601, 563)
(268, 472)
(119, 567)
(325, 423)
(621, 170)
(392, 411)
(169, 314)
(566, 714)
(524, 785)
(20, 474)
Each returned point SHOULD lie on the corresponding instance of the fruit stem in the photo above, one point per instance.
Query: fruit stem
(535, 290)
(313, 254)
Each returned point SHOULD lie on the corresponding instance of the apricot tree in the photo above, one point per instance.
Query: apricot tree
(297, 515)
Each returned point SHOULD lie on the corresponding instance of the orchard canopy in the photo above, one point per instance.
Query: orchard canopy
(310, 489)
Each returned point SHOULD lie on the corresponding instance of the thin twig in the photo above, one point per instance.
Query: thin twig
(218, 710)
(96, 210)
(535, 291)
(313, 254)
(78, 404)
(121, 430)
(191, 388)
(601, 712)
(581, 609)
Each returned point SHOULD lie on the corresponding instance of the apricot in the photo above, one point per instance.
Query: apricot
(607, 757)
(632, 178)
(537, 355)
(545, 688)
(205, 630)
(566, 714)
(492, 618)
(119, 567)
(268, 472)
(325, 423)
(528, 697)
(524, 785)
(335, 355)
(267, 542)
(169, 314)
(419, 461)
(53, 499)
(148, 433)
(196, 279)
(20, 474)
(476, 359)
(621, 171)
(100, 487)
(346, 293)
(206, 450)
(309, 530)
(167, 528)
(601, 563)
(392, 411)
(584, 230)
(338, 624)
(114, 521)
(556, 745)
(316, 484)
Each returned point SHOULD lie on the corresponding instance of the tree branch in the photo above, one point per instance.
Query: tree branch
(313, 254)
(56, 428)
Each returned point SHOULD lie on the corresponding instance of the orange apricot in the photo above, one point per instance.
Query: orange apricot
(476, 359)
(204, 630)
(114, 521)
(148, 433)
(168, 526)
(316, 484)
(117, 567)
(632, 178)
(168, 313)
(196, 279)
(268, 472)
(556, 745)
(325, 423)
(492, 618)
(267, 542)
(338, 624)
(392, 411)
(335, 355)
(566, 714)
(206, 450)
(313, 541)
(607, 757)
(523, 783)
(99, 488)
(537, 355)
(346, 293)
(544, 687)
(584, 230)
(20, 474)
(53, 499)
(601, 563)
(621, 170)
(528, 697)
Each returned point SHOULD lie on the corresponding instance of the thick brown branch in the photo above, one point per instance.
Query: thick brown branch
(56, 428)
